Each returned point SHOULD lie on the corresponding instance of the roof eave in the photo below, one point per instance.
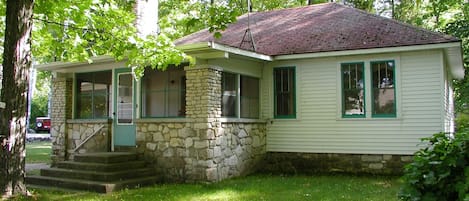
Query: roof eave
(455, 62)
(452, 52)
(65, 66)
(194, 48)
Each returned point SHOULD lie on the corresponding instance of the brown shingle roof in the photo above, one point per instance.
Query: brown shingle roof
(319, 28)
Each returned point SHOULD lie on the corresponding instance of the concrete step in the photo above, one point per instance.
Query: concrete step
(106, 157)
(95, 186)
(97, 175)
(101, 167)
(99, 172)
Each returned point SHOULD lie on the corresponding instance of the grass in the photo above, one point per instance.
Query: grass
(251, 188)
(38, 152)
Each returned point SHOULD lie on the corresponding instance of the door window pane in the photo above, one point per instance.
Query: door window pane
(124, 98)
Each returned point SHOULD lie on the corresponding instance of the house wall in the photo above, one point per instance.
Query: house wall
(319, 126)
(201, 147)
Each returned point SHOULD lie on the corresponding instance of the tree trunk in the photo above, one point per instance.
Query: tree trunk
(16, 65)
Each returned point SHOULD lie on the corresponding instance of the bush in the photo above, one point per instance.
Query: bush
(439, 171)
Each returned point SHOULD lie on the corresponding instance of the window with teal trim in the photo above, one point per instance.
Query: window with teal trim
(284, 92)
(383, 91)
(353, 90)
(92, 95)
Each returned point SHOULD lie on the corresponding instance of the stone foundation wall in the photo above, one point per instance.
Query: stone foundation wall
(201, 152)
(292, 163)
(79, 130)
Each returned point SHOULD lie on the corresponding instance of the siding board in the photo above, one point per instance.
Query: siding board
(319, 127)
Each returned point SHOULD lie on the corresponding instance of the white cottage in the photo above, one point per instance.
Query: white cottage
(316, 88)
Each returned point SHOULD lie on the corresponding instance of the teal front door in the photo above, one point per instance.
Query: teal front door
(124, 109)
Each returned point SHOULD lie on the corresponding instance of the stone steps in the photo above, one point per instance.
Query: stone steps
(94, 186)
(98, 172)
(102, 167)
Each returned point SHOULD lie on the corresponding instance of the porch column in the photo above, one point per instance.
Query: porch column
(61, 110)
(203, 93)
(203, 108)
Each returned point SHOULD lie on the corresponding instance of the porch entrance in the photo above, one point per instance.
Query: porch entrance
(124, 109)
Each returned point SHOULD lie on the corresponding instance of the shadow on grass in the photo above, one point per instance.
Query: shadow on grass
(252, 188)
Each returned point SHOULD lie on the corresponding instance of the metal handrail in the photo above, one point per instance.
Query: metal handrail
(88, 138)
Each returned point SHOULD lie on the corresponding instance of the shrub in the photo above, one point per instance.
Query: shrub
(440, 171)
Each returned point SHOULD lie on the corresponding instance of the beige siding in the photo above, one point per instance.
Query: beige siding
(319, 127)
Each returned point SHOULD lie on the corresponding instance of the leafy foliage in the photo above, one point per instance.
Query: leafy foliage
(439, 171)
(459, 28)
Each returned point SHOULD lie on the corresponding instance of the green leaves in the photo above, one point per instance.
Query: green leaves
(221, 15)
(440, 171)
(155, 52)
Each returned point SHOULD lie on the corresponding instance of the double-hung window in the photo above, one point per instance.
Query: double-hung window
(284, 92)
(164, 93)
(353, 90)
(240, 96)
(383, 93)
(93, 92)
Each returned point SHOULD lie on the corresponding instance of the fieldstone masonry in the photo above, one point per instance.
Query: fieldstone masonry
(61, 110)
(292, 163)
(98, 132)
(184, 152)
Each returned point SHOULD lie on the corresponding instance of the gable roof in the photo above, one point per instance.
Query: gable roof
(318, 28)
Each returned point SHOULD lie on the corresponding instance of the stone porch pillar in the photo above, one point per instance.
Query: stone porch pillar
(61, 110)
(203, 108)
(203, 93)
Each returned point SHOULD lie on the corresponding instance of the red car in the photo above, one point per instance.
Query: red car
(43, 124)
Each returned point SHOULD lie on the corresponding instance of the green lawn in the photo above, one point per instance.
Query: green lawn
(252, 188)
(38, 152)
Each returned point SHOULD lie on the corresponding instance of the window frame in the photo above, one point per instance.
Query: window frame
(76, 96)
(372, 94)
(238, 105)
(343, 91)
(293, 115)
(182, 92)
